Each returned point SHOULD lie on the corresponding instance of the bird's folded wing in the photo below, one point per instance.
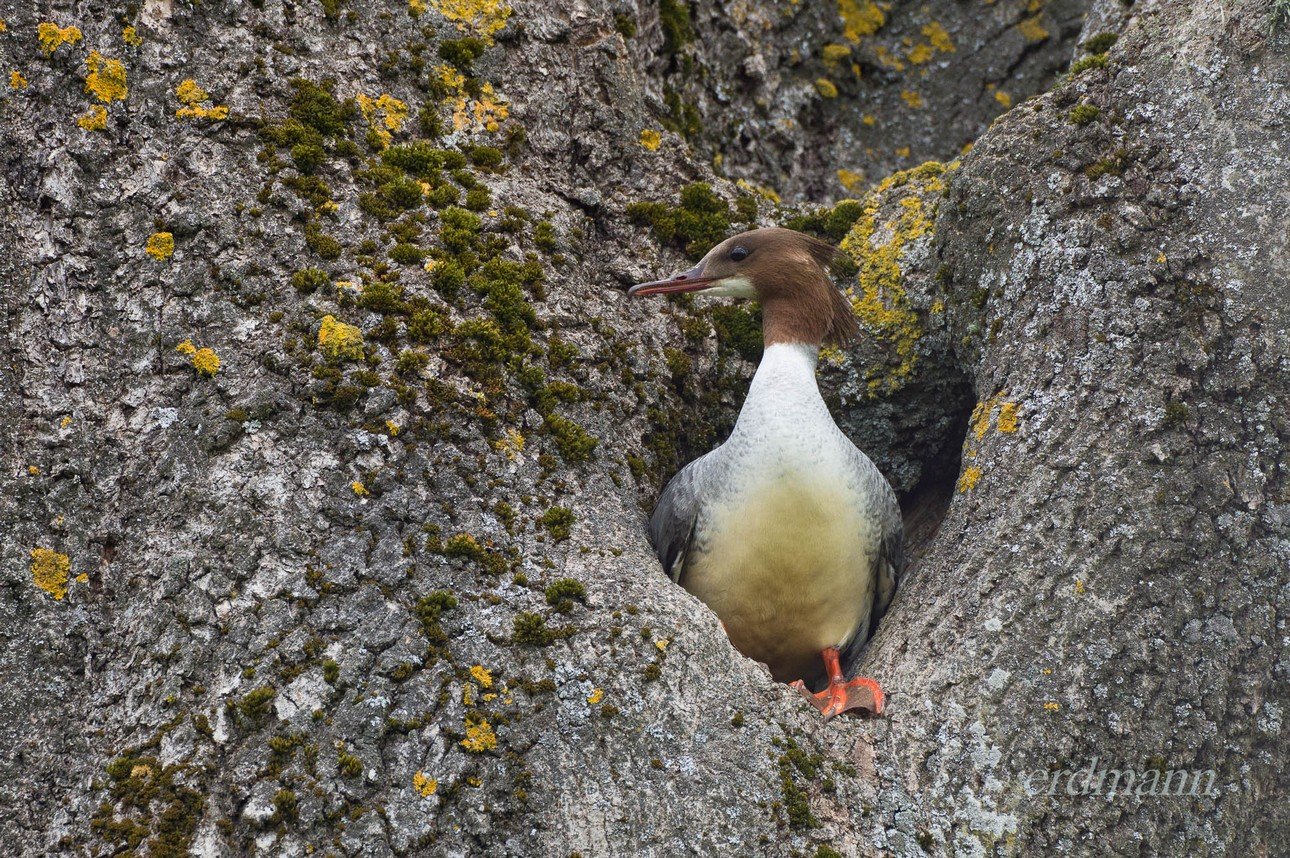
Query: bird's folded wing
(671, 528)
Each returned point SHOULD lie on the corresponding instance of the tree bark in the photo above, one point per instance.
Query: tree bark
(376, 581)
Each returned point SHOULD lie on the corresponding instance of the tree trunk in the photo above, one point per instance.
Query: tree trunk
(329, 434)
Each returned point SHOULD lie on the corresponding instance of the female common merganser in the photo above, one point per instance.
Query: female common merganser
(787, 531)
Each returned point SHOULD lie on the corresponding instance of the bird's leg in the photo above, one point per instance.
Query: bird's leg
(842, 696)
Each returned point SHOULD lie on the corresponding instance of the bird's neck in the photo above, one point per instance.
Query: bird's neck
(784, 385)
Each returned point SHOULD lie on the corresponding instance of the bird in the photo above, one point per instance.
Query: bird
(787, 531)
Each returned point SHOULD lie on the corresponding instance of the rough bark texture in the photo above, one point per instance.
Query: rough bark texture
(384, 589)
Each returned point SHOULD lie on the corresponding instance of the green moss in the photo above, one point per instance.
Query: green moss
(308, 157)
(1083, 64)
(829, 224)
(285, 806)
(1176, 413)
(381, 296)
(484, 157)
(557, 521)
(1083, 114)
(796, 802)
(146, 807)
(544, 236)
(574, 443)
(314, 106)
(309, 280)
(562, 594)
(1101, 43)
(701, 220)
(462, 52)
(331, 671)
(1112, 166)
(478, 199)
(420, 159)
(256, 705)
(349, 765)
(626, 25)
(678, 30)
(430, 610)
(738, 329)
(530, 630)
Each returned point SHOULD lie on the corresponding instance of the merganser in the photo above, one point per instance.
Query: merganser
(787, 531)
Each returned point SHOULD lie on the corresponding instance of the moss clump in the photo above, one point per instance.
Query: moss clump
(465, 545)
(678, 30)
(330, 671)
(574, 443)
(563, 593)
(1083, 64)
(462, 52)
(148, 806)
(349, 765)
(701, 220)
(1083, 114)
(382, 296)
(738, 329)
(625, 25)
(830, 224)
(309, 280)
(530, 630)
(557, 521)
(430, 610)
(257, 704)
(1101, 43)
(796, 804)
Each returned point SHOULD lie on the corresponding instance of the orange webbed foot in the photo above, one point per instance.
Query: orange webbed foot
(861, 694)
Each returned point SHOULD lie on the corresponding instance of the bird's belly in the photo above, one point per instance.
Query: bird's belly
(789, 570)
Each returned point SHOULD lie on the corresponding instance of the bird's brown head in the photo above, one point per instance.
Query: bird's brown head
(783, 269)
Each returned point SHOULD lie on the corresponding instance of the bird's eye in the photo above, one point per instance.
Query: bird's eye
(739, 254)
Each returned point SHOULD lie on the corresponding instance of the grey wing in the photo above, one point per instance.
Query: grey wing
(890, 564)
(671, 527)
(891, 561)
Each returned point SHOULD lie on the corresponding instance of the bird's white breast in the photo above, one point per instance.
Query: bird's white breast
(786, 549)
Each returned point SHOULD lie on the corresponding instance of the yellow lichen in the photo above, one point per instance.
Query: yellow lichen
(834, 53)
(359, 489)
(1052, 706)
(479, 737)
(424, 784)
(763, 191)
(662, 644)
(1079, 588)
(860, 18)
(511, 443)
(3, 25)
(887, 59)
(1003, 98)
(131, 37)
(596, 696)
(206, 362)
(920, 53)
(160, 246)
(105, 78)
(52, 36)
(651, 139)
(903, 152)
(385, 114)
(940, 39)
(1007, 422)
(869, 120)
(482, 18)
(392, 428)
(826, 88)
(850, 179)
(911, 98)
(194, 98)
(83, 578)
(95, 119)
(16, 80)
(65, 422)
(186, 348)
(879, 297)
(1031, 30)
(50, 571)
(33, 470)
(339, 340)
(482, 675)
(969, 478)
